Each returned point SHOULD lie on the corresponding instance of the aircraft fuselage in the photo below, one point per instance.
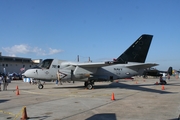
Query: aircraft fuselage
(69, 72)
(128, 64)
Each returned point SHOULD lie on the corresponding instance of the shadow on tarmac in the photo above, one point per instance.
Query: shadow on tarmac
(39, 117)
(121, 86)
(103, 116)
(1, 101)
(174, 84)
(140, 88)
(174, 119)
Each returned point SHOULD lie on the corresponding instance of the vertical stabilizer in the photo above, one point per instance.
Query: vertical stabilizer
(138, 51)
(170, 70)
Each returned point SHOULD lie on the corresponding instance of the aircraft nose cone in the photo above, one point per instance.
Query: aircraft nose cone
(23, 75)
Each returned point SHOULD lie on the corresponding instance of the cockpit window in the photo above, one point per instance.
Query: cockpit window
(46, 63)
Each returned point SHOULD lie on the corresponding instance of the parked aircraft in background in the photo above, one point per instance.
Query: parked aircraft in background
(128, 64)
(157, 73)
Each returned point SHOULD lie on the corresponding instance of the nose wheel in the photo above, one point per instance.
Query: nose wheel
(40, 86)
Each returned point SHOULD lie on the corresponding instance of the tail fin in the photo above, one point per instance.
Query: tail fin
(138, 51)
(170, 70)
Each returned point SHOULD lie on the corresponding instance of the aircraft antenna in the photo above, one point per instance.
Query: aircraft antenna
(78, 58)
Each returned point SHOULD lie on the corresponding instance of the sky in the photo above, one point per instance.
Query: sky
(99, 29)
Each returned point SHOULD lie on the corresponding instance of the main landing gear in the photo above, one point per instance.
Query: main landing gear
(89, 84)
(163, 82)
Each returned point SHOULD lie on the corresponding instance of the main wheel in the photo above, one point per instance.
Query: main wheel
(164, 82)
(40, 86)
(89, 86)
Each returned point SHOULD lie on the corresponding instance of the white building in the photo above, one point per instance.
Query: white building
(16, 64)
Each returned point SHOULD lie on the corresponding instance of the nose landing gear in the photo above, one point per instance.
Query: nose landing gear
(40, 86)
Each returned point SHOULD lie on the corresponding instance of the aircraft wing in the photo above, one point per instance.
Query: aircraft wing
(141, 65)
(97, 64)
(102, 64)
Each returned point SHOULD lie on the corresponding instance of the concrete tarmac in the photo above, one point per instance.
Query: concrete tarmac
(137, 99)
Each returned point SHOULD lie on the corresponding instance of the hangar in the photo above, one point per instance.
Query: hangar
(10, 64)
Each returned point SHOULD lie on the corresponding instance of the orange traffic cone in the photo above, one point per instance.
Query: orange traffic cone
(162, 87)
(17, 91)
(157, 83)
(112, 97)
(136, 82)
(24, 114)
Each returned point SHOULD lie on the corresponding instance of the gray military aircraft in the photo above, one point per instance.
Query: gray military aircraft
(128, 64)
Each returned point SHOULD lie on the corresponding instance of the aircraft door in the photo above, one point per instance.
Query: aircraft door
(72, 74)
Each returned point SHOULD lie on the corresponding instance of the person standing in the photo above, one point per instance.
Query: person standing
(56, 82)
(168, 77)
(58, 77)
(1, 81)
(5, 83)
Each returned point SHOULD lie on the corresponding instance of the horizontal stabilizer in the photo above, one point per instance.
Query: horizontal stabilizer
(141, 65)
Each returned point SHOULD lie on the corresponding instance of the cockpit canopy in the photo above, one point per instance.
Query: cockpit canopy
(45, 63)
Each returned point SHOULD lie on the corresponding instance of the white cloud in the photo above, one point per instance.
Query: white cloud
(38, 51)
(54, 51)
(17, 49)
(25, 49)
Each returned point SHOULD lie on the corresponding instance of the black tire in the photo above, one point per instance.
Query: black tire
(165, 82)
(85, 84)
(89, 86)
(40, 86)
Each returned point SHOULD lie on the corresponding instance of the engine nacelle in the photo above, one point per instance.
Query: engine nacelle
(81, 76)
